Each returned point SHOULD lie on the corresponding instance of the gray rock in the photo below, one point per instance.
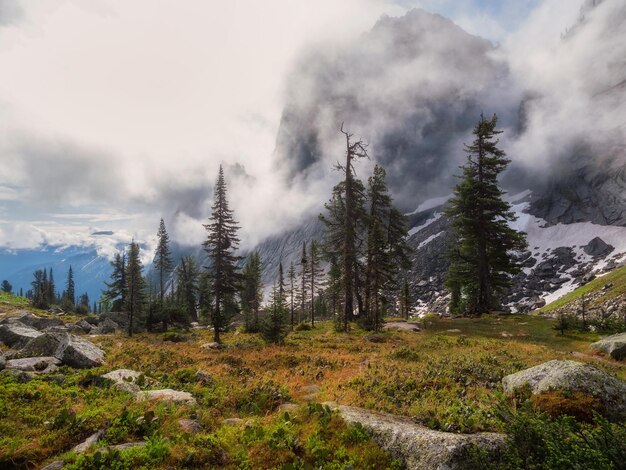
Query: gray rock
(400, 326)
(289, 407)
(19, 375)
(46, 344)
(311, 389)
(3, 362)
(575, 377)
(87, 443)
(81, 354)
(16, 334)
(598, 248)
(167, 395)
(58, 465)
(121, 447)
(614, 346)
(418, 447)
(39, 323)
(232, 421)
(212, 345)
(190, 426)
(33, 364)
(105, 327)
(124, 380)
(84, 326)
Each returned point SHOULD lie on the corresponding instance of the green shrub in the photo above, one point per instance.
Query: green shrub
(303, 326)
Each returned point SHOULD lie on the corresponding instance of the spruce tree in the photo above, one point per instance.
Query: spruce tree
(291, 275)
(387, 249)
(334, 287)
(188, 275)
(314, 274)
(275, 327)
(252, 292)
(115, 293)
(221, 244)
(135, 287)
(302, 294)
(163, 258)
(405, 299)
(481, 261)
(205, 298)
(70, 288)
(7, 287)
(344, 226)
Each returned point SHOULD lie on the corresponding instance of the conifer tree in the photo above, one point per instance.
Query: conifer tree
(252, 292)
(387, 249)
(70, 288)
(302, 294)
(291, 275)
(135, 286)
(50, 289)
(481, 264)
(205, 299)
(188, 275)
(405, 299)
(275, 328)
(334, 287)
(221, 244)
(7, 287)
(314, 274)
(163, 258)
(115, 293)
(344, 225)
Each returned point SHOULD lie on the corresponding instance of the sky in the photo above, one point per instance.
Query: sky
(115, 113)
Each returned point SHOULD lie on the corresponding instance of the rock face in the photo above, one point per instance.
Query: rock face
(167, 395)
(614, 346)
(16, 334)
(418, 447)
(576, 377)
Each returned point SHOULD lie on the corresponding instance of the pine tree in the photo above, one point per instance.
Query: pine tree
(405, 299)
(314, 273)
(116, 289)
(334, 287)
(302, 294)
(344, 226)
(7, 287)
(188, 275)
(135, 286)
(205, 299)
(481, 265)
(252, 292)
(387, 249)
(291, 276)
(275, 327)
(163, 258)
(50, 289)
(221, 245)
(70, 288)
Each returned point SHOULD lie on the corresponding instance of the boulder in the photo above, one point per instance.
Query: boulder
(575, 377)
(46, 344)
(418, 447)
(598, 248)
(189, 426)
(57, 465)
(16, 334)
(87, 443)
(3, 362)
(400, 326)
(124, 380)
(21, 376)
(84, 326)
(167, 395)
(38, 323)
(34, 364)
(614, 346)
(212, 345)
(81, 354)
(105, 327)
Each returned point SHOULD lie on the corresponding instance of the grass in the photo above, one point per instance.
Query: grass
(616, 277)
(446, 377)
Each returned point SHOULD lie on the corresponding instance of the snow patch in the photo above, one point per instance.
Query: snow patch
(419, 228)
(429, 239)
(431, 204)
